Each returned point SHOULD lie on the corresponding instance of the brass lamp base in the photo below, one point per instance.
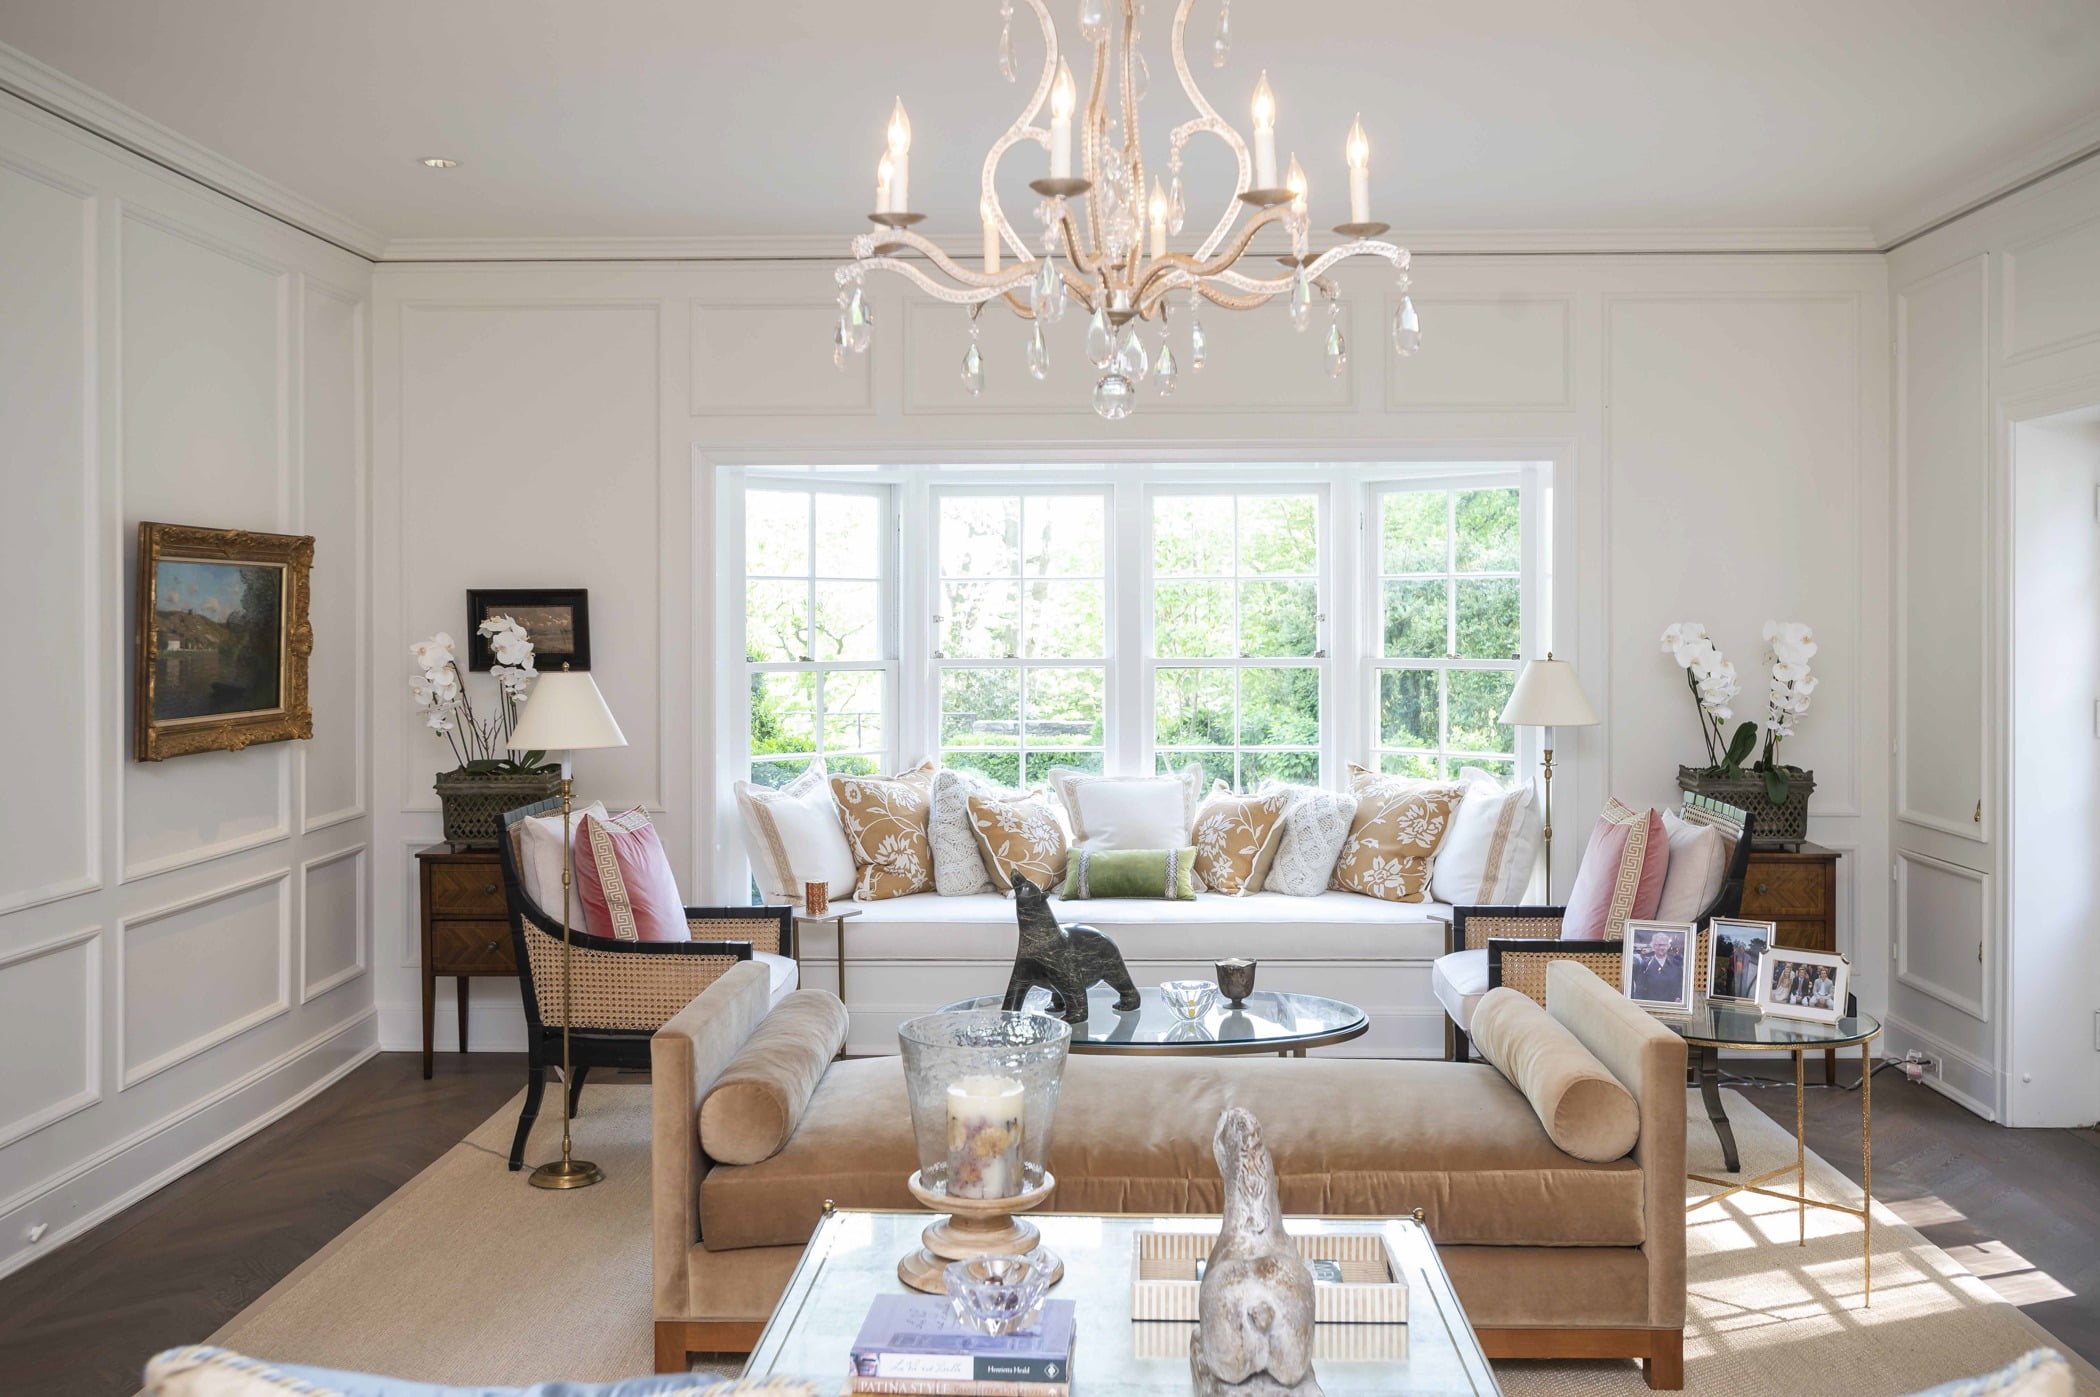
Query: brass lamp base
(972, 1227)
(567, 1173)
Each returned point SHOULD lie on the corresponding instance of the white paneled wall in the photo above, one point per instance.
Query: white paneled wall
(1715, 430)
(1996, 327)
(183, 944)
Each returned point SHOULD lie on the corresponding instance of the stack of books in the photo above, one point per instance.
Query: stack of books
(914, 1346)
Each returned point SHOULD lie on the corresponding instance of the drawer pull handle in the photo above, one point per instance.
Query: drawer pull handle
(1763, 888)
(489, 891)
(488, 945)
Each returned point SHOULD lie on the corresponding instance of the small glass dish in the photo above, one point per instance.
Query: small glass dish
(999, 1294)
(1189, 999)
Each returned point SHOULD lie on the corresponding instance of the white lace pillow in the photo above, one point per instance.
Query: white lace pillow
(1315, 827)
(958, 866)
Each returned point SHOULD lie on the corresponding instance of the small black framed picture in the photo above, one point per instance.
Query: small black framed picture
(558, 619)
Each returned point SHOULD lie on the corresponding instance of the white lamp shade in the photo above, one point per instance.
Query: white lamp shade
(565, 713)
(1548, 695)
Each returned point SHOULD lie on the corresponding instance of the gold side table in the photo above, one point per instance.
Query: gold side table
(1712, 1027)
(836, 919)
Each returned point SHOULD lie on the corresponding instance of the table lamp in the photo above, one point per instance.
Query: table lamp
(1549, 696)
(565, 713)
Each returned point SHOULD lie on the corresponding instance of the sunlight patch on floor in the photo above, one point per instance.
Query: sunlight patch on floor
(2012, 1275)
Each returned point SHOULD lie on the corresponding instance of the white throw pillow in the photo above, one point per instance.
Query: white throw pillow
(1130, 812)
(1486, 859)
(1314, 829)
(540, 860)
(958, 865)
(1698, 866)
(793, 836)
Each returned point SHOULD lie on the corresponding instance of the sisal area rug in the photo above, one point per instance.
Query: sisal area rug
(467, 1275)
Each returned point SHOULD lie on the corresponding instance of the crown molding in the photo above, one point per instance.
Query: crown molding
(817, 247)
(43, 86)
(1921, 216)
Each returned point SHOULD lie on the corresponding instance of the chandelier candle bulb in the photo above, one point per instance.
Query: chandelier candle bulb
(1264, 133)
(1064, 96)
(1295, 182)
(900, 160)
(885, 174)
(984, 1138)
(991, 237)
(1159, 220)
(1359, 152)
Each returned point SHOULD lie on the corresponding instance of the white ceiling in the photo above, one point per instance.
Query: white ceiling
(649, 119)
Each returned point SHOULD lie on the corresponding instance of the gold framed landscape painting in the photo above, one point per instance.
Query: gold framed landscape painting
(223, 640)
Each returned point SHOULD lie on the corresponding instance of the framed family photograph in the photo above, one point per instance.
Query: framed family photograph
(1656, 969)
(223, 640)
(1797, 984)
(1734, 949)
(557, 619)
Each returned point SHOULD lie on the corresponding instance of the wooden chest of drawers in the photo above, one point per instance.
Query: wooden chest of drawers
(466, 928)
(1796, 888)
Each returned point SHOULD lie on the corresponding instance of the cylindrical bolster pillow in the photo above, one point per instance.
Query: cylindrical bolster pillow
(1587, 1112)
(754, 1106)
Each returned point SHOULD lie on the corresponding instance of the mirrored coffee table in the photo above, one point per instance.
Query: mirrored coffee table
(1271, 1021)
(853, 1258)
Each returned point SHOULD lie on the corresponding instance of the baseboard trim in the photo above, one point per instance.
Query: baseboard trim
(1897, 1031)
(66, 1231)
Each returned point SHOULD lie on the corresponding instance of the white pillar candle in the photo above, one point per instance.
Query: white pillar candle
(991, 236)
(1264, 134)
(984, 1137)
(900, 159)
(1159, 221)
(1064, 96)
(1358, 149)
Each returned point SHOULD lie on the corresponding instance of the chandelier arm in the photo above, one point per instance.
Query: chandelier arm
(1207, 119)
(1023, 129)
(940, 291)
(1009, 279)
(1090, 148)
(1398, 257)
(1089, 263)
(1219, 298)
(1200, 267)
(1133, 148)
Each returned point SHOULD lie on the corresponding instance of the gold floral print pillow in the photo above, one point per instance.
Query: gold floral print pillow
(885, 822)
(1018, 836)
(1236, 839)
(1393, 840)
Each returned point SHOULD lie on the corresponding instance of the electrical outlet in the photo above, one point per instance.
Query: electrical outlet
(37, 1231)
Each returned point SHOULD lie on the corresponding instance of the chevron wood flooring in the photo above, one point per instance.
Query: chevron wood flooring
(177, 1265)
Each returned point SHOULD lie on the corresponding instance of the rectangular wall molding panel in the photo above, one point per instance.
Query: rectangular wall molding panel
(195, 973)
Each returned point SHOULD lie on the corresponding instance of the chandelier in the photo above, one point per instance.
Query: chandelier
(1102, 258)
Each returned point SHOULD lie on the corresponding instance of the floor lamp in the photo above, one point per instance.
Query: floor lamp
(565, 713)
(1549, 696)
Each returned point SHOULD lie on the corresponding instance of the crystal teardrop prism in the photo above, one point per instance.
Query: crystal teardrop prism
(1301, 299)
(1223, 44)
(1131, 360)
(1038, 354)
(1166, 373)
(1006, 51)
(1198, 345)
(1337, 352)
(1093, 20)
(860, 323)
(1047, 292)
(1177, 206)
(1114, 396)
(839, 340)
(1407, 328)
(973, 370)
(1100, 342)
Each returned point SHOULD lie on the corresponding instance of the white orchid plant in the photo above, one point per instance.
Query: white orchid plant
(1714, 685)
(482, 745)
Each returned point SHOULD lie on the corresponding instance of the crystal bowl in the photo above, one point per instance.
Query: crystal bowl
(999, 1294)
(1189, 999)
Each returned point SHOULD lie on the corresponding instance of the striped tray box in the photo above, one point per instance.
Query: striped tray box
(1372, 1289)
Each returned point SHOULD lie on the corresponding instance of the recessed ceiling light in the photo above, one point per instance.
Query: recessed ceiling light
(439, 162)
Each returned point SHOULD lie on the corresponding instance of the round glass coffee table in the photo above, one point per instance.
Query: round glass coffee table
(1712, 1027)
(1270, 1021)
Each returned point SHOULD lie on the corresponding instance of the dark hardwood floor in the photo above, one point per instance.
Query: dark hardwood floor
(2019, 1207)
(177, 1265)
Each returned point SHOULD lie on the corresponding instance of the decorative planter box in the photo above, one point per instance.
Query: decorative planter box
(1371, 1290)
(476, 802)
(1773, 826)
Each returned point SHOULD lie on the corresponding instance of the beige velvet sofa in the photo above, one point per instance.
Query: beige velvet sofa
(1551, 1255)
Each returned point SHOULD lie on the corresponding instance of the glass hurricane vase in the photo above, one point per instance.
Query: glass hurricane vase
(983, 1089)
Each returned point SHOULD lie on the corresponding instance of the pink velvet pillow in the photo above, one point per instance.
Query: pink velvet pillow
(624, 881)
(1621, 876)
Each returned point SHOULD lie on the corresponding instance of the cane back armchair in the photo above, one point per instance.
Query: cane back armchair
(1520, 942)
(620, 992)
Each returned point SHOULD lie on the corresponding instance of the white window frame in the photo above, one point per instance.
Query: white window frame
(1321, 659)
(888, 663)
(934, 580)
(1531, 604)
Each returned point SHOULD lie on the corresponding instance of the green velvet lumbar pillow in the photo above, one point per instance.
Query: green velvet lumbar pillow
(1165, 873)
